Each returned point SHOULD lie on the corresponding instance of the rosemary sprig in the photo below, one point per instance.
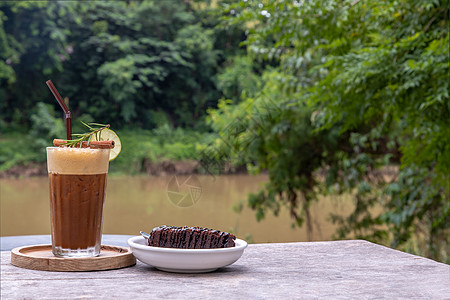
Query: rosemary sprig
(95, 128)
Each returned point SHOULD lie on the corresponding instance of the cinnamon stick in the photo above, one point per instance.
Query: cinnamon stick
(92, 144)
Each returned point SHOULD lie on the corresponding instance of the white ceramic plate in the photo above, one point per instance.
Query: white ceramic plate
(185, 260)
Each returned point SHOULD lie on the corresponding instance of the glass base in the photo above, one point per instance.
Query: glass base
(88, 252)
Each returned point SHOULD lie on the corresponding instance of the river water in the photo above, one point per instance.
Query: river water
(143, 202)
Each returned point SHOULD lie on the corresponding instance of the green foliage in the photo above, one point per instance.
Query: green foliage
(45, 124)
(238, 77)
(19, 148)
(45, 127)
(138, 146)
(126, 65)
(373, 79)
(132, 64)
(161, 144)
(14, 150)
(32, 48)
(117, 61)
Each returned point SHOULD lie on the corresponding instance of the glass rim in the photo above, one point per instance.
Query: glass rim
(78, 148)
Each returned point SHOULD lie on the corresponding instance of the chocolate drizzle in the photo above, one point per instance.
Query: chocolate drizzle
(190, 238)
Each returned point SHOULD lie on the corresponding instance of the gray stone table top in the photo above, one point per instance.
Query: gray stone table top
(326, 270)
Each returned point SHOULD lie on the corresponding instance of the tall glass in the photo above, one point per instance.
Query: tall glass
(77, 178)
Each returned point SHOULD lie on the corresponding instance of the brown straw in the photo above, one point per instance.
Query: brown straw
(63, 106)
(85, 144)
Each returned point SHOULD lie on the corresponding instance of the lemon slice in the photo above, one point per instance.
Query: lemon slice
(109, 135)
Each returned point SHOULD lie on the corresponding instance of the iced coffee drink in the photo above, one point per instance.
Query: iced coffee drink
(77, 179)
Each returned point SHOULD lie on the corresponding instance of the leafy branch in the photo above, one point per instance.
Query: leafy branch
(95, 129)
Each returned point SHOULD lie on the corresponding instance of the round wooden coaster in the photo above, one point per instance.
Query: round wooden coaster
(40, 257)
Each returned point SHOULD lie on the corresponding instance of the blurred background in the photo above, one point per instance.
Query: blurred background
(291, 120)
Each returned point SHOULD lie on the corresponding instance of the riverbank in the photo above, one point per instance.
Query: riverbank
(163, 151)
(25, 171)
(162, 168)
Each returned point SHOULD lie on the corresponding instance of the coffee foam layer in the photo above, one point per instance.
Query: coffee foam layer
(77, 161)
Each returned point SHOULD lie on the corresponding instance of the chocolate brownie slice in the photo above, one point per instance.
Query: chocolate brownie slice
(190, 238)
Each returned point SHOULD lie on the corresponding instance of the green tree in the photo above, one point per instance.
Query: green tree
(122, 62)
(359, 87)
(31, 50)
(239, 76)
(132, 60)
